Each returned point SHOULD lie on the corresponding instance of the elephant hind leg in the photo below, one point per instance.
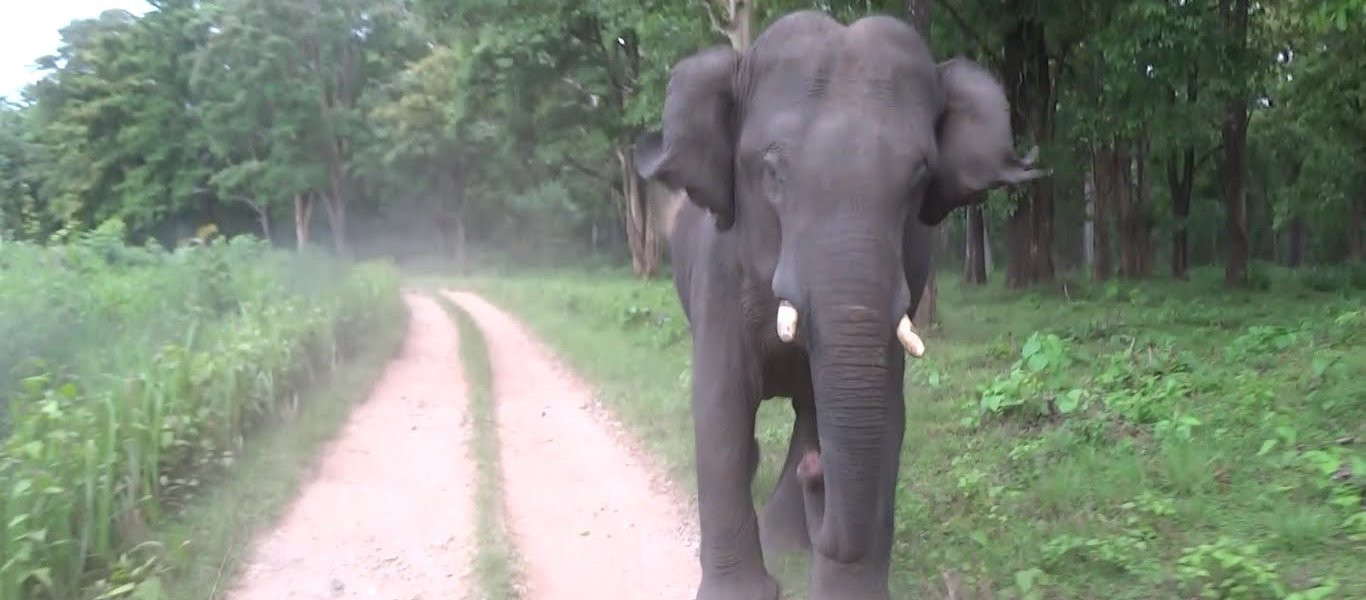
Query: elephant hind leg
(783, 527)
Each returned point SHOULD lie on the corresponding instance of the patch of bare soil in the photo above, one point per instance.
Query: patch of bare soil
(390, 514)
(591, 517)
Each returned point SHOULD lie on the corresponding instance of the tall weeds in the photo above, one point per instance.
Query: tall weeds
(131, 373)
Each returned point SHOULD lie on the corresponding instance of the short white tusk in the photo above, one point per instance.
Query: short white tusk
(787, 321)
(910, 340)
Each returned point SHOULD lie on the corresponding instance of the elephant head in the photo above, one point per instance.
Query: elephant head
(827, 151)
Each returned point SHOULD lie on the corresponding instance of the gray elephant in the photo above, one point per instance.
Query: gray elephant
(816, 163)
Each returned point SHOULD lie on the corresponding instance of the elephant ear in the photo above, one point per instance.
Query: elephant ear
(695, 148)
(976, 151)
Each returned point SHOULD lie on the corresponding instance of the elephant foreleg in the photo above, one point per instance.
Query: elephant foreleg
(724, 407)
(784, 527)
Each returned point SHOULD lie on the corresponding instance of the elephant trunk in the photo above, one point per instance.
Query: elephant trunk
(857, 368)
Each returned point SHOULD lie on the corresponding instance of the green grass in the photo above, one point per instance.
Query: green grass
(496, 564)
(206, 543)
(1154, 439)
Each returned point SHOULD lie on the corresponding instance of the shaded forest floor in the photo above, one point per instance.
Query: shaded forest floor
(1119, 440)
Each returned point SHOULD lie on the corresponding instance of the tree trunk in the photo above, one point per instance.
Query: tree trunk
(1018, 232)
(986, 245)
(1042, 242)
(1356, 237)
(1029, 87)
(303, 217)
(447, 208)
(1142, 226)
(736, 22)
(1102, 167)
(640, 237)
(336, 222)
(1088, 227)
(1181, 181)
(1044, 111)
(1017, 243)
(1234, 132)
(975, 261)
(1296, 252)
(461, 244)
(263, 218)
(1124, 210)
(335, 205)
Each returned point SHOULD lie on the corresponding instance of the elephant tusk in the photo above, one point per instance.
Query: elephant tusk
(909, 339)
(787, 321)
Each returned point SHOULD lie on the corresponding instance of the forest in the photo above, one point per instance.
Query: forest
(1180, 133)
(217, 218)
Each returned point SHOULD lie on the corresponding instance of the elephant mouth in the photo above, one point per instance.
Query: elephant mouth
(906, 333)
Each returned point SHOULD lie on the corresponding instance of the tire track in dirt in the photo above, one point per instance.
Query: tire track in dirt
(390, 513)
(591, 517)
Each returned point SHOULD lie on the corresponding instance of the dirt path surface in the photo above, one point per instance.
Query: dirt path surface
(591, 517)
(390, 514)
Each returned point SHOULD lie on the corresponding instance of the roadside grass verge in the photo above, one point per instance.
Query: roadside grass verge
(1118, 440)
(207, 542)
(496, 564)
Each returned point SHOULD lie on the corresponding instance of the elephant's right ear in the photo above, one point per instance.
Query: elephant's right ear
(976, 151)
(695, 149)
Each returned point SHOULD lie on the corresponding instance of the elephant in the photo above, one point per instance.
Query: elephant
(815, 164)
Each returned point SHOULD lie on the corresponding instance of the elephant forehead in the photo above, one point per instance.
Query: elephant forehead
(875, 57)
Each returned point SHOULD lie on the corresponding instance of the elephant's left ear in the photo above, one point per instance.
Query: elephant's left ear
(976, 150)
(695, 148)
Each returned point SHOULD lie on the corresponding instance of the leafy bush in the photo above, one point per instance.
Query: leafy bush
(134, 372)
(1036, 382)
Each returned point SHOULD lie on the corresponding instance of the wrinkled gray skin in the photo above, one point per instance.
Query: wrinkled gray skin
(816, 162)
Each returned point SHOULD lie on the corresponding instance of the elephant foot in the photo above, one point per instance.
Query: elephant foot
(832, 580)
(762, 588)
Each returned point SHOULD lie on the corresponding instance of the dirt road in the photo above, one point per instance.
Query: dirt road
(391, 514)
(591, 518)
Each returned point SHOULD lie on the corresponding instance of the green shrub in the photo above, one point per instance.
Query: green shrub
(136, 372)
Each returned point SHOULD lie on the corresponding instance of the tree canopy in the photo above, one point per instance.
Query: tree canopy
(1231, 129)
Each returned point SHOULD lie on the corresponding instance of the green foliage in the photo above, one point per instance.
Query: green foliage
(1223, 569)
(1035, 381)
(149, 370)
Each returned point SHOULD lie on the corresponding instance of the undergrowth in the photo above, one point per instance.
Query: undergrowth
(133, 374)
(1117, 440)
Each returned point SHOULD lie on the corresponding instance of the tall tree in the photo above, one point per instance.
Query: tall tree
(112, 111)
(423, 140)
(1234, 15)
(21, 176)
